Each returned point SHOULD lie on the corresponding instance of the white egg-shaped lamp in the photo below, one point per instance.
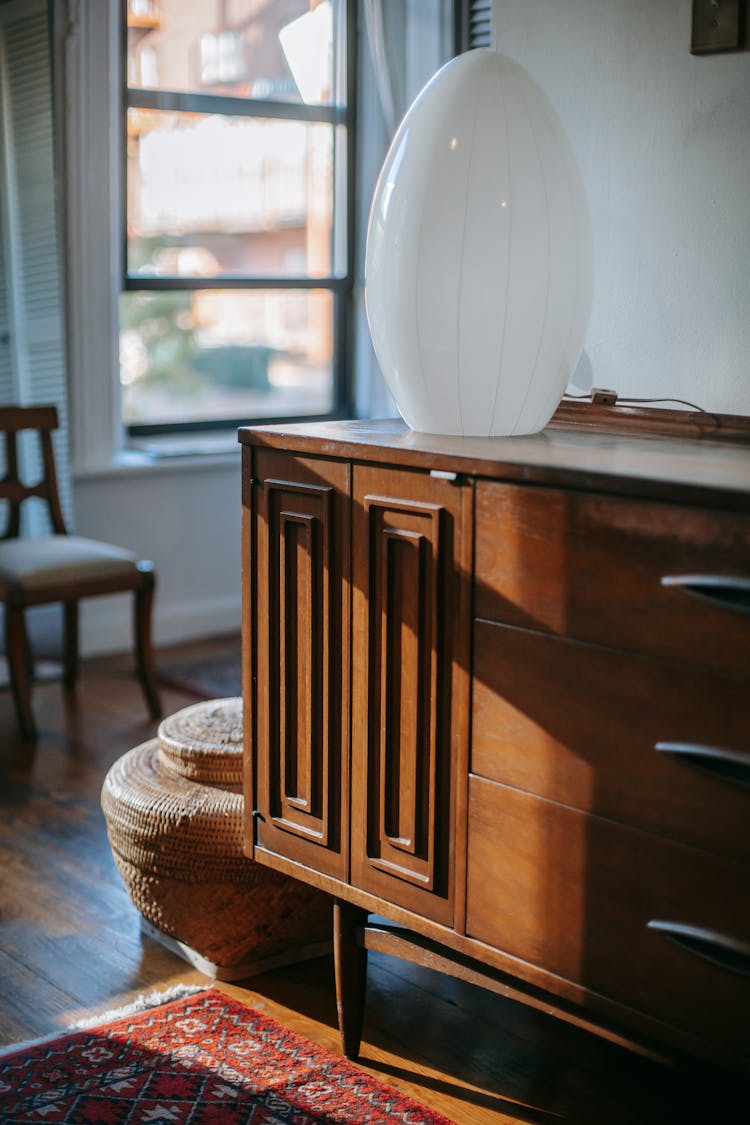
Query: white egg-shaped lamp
(478, 270)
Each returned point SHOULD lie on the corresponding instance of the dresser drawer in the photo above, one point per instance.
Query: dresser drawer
(666, 581)
(594, 902)
(654, 745)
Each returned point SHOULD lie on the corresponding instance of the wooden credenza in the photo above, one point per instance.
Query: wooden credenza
(497, 692)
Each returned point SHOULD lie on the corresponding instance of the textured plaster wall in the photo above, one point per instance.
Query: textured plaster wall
(663, 140)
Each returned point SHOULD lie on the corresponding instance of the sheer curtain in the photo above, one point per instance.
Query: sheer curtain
(401, 47)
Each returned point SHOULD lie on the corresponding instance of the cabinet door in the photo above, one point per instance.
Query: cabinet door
(300, 630)
(407, 596)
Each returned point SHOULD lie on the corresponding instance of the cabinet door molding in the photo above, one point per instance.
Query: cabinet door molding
(301, 626)
(406, 539)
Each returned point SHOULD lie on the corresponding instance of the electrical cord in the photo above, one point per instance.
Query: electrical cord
(603, 397)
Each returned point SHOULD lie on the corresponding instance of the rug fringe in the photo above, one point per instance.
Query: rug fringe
(142, 1003)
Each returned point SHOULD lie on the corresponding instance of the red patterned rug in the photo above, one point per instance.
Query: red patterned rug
(202, 1060)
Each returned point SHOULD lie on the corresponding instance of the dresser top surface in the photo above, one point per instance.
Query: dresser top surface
(683, 468)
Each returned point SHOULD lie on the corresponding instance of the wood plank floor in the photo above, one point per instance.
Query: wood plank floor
(71, 946)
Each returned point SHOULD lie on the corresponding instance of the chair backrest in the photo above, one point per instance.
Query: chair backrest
(43, 419)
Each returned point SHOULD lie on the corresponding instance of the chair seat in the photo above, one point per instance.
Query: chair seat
(34, 564)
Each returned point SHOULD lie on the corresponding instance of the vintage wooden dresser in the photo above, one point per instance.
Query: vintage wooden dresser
(497, 692)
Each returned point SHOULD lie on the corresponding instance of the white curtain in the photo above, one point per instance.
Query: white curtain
(401, 47)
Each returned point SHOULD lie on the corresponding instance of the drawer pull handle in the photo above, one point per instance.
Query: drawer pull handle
(729, 765)
(443, 474)
(726, 952)
(733, 593)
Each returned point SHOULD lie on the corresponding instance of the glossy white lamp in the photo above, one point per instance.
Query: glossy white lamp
(478, 271)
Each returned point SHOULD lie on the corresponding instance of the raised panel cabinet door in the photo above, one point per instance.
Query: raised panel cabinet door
(408, 584)
(301, 641)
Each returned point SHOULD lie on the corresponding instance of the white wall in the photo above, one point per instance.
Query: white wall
(186, 518)
(663, 140)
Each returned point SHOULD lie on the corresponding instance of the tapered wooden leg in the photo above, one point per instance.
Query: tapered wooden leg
(350, 959)
(144, 655)
(17, 653)
(70, 612)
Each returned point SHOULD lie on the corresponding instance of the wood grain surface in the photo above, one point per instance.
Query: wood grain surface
(71, 947)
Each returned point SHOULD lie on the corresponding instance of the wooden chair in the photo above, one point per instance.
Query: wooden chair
(60, 568)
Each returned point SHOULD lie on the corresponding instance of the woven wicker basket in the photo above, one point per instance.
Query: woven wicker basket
(204, 743)
(174, 814)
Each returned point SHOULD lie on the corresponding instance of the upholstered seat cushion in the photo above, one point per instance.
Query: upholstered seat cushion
(34, 564)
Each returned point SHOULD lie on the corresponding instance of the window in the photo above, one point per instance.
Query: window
(239, 188)
(221, 58)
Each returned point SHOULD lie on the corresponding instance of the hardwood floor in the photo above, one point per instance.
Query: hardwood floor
(71, 946)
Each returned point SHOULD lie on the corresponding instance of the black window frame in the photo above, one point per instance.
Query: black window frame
(341, 287)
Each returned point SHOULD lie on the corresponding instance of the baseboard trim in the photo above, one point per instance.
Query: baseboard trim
(106, 627)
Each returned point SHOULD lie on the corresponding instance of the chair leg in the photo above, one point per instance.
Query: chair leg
(70, 676)
(144, 655)
(17, 651)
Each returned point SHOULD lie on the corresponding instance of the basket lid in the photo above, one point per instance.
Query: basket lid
(204, 742)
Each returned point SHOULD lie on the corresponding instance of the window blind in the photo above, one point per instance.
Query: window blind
(473, 24)
(480, 23)
(32, 341)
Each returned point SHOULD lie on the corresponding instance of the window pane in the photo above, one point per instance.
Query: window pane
(279, 49)
(210, 195)
(210, 355)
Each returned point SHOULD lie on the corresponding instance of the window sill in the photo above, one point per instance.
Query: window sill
(145, 462)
